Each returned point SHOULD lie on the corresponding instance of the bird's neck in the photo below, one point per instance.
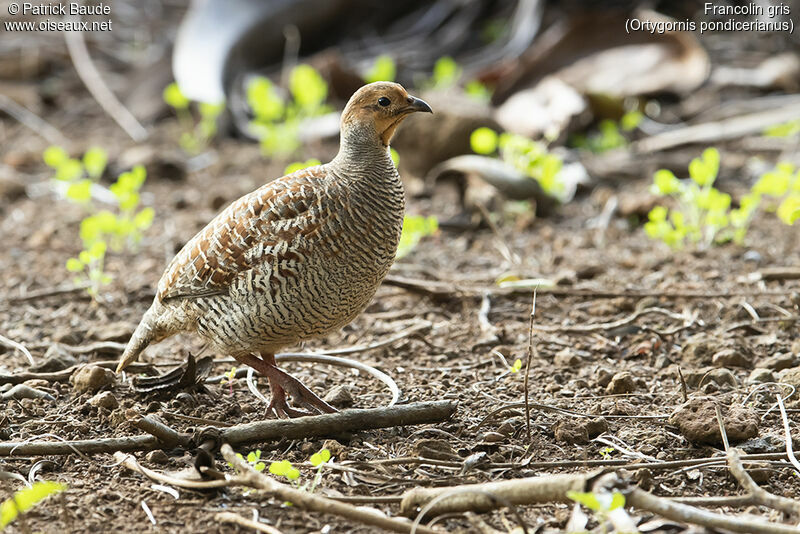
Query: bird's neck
(362, 149)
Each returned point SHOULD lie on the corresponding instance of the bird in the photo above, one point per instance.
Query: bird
(297, 258)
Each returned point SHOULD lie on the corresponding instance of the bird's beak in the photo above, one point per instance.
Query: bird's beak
(417, 104)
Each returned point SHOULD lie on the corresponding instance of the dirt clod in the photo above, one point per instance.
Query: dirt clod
(157, 457)
(697, 421)
(91, 378)
(340, 397)
(104, 399)
(779, 361)
(760, 376)
(621, 382)
(731, 358)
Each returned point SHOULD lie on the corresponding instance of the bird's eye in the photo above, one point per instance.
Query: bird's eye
(383, 101)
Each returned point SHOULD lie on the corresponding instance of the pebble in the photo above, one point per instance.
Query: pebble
(790, 376)
(157, 457)
(91, 378)
(340, 397)
(621, 382)
(119, 331)
(104, 399)
(731, 358)
(779, 361)
(760, 375)
(697, 421)
(566, 358)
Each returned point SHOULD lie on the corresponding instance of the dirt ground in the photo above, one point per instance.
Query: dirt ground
(464, 355)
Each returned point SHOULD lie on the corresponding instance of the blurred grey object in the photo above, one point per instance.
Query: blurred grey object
(219, 42)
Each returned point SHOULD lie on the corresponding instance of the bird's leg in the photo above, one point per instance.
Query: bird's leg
(281, 382)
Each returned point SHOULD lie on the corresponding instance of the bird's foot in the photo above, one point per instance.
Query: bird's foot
(281, 383)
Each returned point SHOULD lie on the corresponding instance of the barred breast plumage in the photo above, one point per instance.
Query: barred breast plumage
(297, 258)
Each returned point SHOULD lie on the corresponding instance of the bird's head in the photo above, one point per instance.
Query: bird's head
(377, 109)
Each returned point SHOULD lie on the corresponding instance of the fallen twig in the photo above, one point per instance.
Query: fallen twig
(26, 117)
(229, 517)
(258, 432)
(93, 81)
(758, 494)
(308, 501)
(731, 128)
(447, 290)
(18, 346)
(611, 324)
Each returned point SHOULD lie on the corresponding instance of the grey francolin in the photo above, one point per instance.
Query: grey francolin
(297, 258)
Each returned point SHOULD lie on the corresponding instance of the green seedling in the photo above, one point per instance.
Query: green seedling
(609, 133)
(300, 165)
(415, 227)
(25, 499)
(276, 119)
(382, 70)
(478, 90)
(253, 458)
(78, 173)
(529, 157)
(781, 183)
(284, 468)
(606, 452)
(395, 156)
(602, 504)
(230, 376)
(117, 231)
(516, 367)
(786, 129)
(702, 212)
(446, 73)
(195, 135)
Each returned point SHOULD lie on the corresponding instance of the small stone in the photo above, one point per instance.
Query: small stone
(67, 336)
(508, 428)
(104, 399)
(796, 342)
(603, 376)
(721, 377)
(566, 358)
(37, 383)
(699, 349)
(334, 447)
(697, 421)
(621, 382)
(492, 437)
(779, 361)
(596, 426)
(340, 397)
(157, 457)
(790, 376)
(731, 358)
(566, 430)
(91, 378)
(760, 376)
(120, 331)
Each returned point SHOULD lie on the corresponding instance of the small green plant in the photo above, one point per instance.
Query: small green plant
(704, 214)
(25, 499)
(106, 229)
(300, 165)
(78, 173)
(527, 156)
(702, 211)
(786, 129)
(230, 376)
(606, 452)
(602, 504)
(382, 70)
(609, 133)
(415, 227)
(254, 459)
(782, 183)
(516, 367)
(446, 73)
(284, 468)
(195, 136)
(276, 119)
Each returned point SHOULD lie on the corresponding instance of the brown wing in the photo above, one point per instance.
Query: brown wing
(259, 225)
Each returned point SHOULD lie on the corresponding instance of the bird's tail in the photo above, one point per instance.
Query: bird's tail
(144, 334)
